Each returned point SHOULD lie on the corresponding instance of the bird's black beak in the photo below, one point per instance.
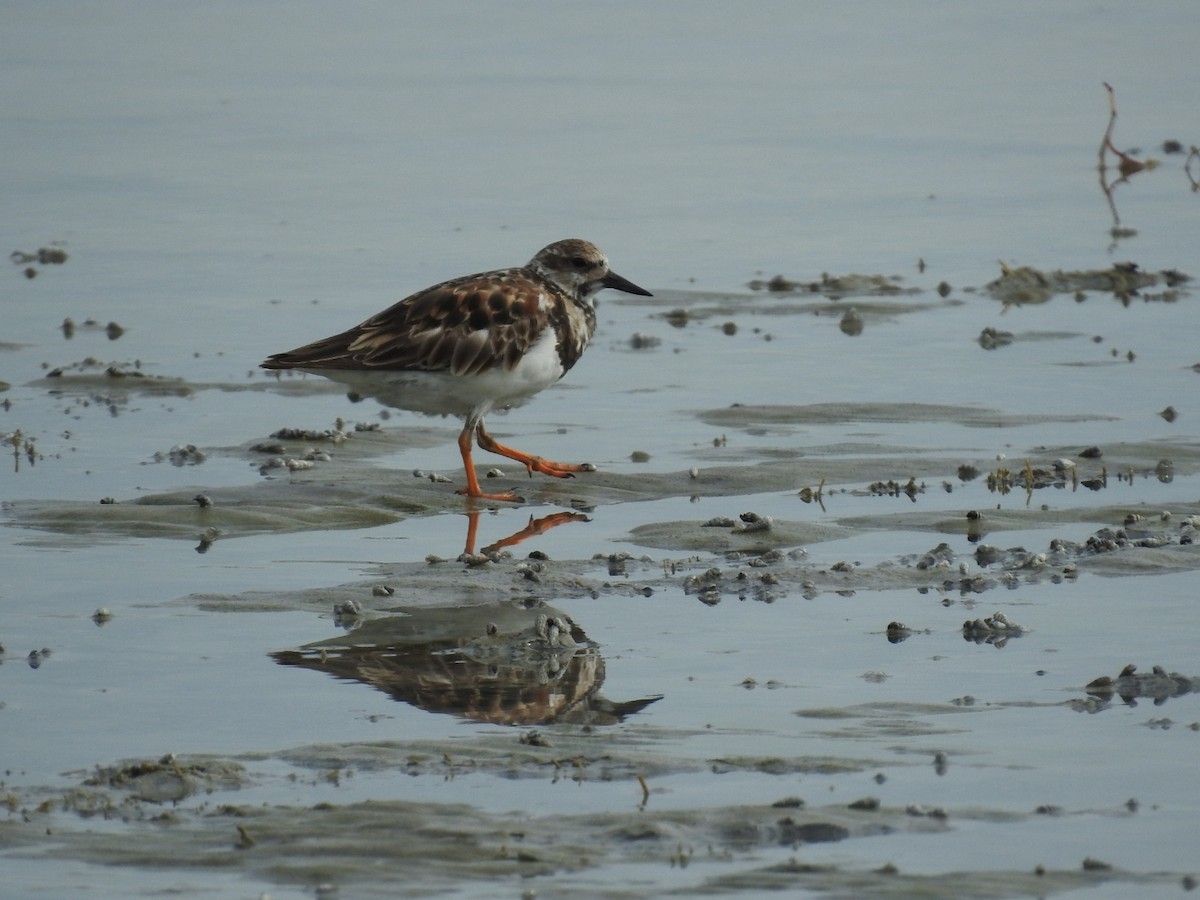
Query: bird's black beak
(615, 281)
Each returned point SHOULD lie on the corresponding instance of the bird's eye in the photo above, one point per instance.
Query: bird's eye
(579, 262)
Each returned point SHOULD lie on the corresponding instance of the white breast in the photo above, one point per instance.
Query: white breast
(439, 393)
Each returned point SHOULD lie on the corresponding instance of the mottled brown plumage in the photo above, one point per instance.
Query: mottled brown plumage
(464, 327)
(475, 343)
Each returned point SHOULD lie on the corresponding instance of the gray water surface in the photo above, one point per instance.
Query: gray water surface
(234, 180)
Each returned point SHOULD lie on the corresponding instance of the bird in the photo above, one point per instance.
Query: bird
(474, 344)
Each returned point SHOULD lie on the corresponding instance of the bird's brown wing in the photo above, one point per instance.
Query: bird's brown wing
(464, 326)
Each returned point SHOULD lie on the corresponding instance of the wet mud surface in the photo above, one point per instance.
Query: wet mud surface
(208, 826)
(482, 637)
(884, 585)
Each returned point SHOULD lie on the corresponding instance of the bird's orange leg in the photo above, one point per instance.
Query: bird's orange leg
(531, 463)
(472, 489)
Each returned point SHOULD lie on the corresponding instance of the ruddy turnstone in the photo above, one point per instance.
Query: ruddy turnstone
(473, 344)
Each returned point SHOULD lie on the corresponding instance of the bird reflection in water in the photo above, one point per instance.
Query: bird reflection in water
(518, 662)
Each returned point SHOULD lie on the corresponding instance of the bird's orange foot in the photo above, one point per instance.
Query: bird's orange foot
(554, 469)
(509, 496)
(531, 463)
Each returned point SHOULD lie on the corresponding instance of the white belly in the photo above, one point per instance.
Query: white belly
(440, 393)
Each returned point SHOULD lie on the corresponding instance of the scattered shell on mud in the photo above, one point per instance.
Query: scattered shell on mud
(182, 455)
(346, 612)
(996, 629)
(752, 522)
(1158, 685)
(333, 435)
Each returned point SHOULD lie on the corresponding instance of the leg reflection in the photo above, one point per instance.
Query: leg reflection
(535, 527)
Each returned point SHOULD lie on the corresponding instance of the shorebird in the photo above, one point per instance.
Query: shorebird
(473, 344)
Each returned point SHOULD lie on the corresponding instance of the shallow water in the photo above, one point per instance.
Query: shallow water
(233, 181)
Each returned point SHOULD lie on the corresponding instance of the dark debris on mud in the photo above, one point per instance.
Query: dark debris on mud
(447, 845)
(1124, 281)
(1157, 685)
